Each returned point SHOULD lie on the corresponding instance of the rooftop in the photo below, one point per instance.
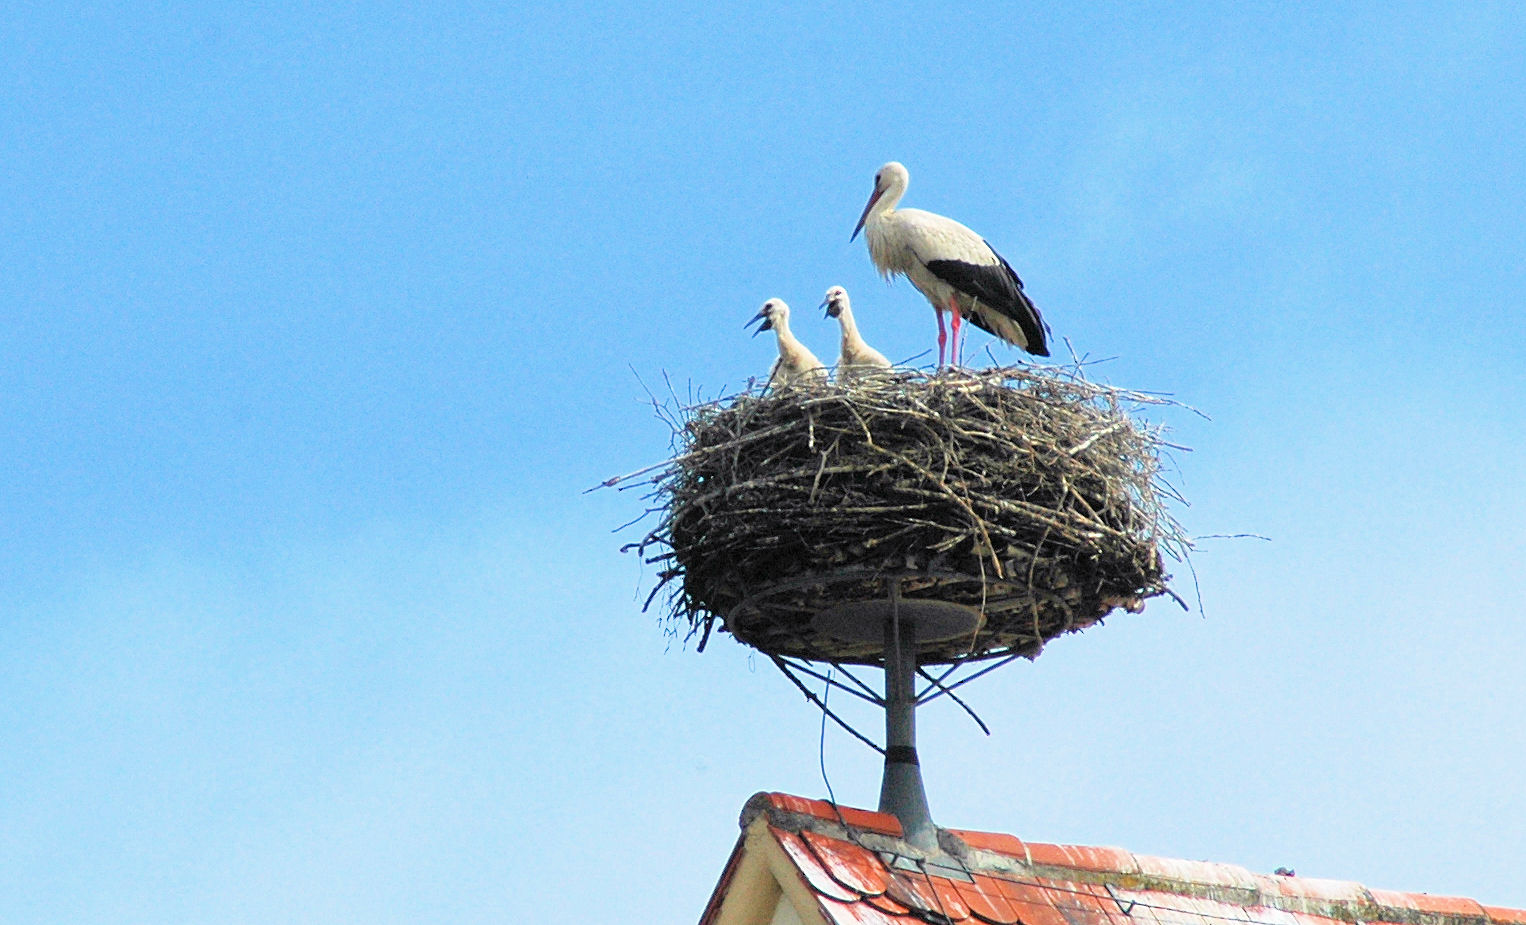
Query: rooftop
(810, 862)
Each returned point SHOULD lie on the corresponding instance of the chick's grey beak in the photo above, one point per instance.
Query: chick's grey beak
(765, 326)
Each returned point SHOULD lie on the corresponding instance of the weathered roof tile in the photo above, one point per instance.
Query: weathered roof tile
(1082, 857)
(912, 890)
(883, 823)
(1313, 888)
(983, 896)
(1205, 872)
(885, 904)
(861, 873)
(852, 865)
(993, 841)
(950, 903)
(859, 913)
(1437, 905)
(1030, 902)
(818, 876)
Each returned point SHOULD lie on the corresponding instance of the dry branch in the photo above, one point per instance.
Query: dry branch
(1028, 493)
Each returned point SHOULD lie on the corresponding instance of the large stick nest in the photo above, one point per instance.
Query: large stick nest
(1031, 496)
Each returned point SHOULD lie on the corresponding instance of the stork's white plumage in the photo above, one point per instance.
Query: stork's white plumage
(856, 356)
(796, 365)
(949, 264)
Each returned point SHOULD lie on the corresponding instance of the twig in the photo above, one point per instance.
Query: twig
(821, 705)
(1038, 489)
(946, 692)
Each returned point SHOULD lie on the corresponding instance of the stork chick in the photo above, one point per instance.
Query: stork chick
(796, 365)
(856, 356)
(949, 264)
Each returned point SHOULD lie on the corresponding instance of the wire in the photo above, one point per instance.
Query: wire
(821, 756)
(821, 752)
(1056, 888)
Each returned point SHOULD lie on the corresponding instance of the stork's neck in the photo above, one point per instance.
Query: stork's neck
(850, 335)
(787, 340)
(885, 205)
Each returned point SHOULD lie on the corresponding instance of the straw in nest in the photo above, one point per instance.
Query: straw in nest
(1029, 495)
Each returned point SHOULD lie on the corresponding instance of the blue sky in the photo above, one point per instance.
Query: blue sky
(317, 321)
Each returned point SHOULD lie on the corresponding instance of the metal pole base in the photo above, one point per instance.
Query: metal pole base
(902, 793)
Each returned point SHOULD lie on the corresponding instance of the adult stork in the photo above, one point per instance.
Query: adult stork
(949, 264)
(856, 356)
(796, 365)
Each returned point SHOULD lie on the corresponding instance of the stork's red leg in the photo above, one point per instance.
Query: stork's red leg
(942, 335)
(958, 352)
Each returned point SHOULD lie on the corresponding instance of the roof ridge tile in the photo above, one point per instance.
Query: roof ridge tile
(883, 823)
(844, 856)
(998, 842)
(1459, 906)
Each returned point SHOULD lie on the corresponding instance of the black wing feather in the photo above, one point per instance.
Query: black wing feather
(998, 287)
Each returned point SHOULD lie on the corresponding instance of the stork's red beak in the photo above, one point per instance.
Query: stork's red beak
(862, 218)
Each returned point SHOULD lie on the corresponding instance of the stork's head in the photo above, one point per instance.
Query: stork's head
(889, 183)
(836, 301)
(773, 312)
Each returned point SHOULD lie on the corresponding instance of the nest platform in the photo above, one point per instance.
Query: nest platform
(996, 509)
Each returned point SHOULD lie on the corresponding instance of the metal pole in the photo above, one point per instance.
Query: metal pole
(901, 791)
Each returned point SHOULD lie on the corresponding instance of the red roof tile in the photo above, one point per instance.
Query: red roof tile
(859, 914)
(1081, 857)
(950, 903)
(1313, 888)
(983, 896)
(1082, 903)
(1439, 905)
(887, 905)
(913, 891)
(861, 873)
(854, 866)
(993, 841)
(1205, 872)
(818, 876)
(1029, 901)
(858, 818)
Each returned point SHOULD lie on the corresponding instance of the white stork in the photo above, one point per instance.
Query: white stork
(950, 264)
(796, 365)
(856, 356)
